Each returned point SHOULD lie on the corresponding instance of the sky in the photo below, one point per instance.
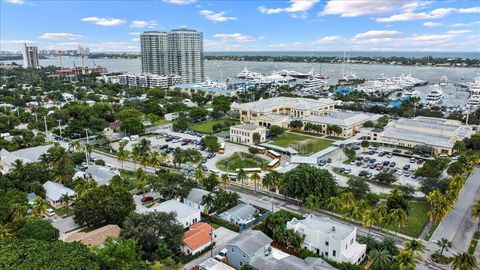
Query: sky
(246, 25)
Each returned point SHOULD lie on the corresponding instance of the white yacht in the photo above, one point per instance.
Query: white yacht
(474, 99)
(293, 73)
(435, 96)
(411, 94)
(443, 80)
(242, 74)
(313, 83)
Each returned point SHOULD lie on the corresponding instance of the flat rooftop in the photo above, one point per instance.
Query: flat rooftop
(266, 105)
(335, 229)
(247, 127)
(344, 119)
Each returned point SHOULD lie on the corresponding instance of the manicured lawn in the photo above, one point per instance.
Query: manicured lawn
(162, 122)
(305, 145)
(416, 219)
(241, 160)
(206, 127)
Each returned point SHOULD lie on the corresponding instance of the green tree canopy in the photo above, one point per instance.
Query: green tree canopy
(38, 229)
(307, 180)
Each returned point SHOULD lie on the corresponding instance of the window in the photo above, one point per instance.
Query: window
(334, 253)
(326, 243)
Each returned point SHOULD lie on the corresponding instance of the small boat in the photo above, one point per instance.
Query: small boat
(443, 80)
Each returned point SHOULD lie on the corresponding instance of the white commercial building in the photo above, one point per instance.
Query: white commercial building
(186, 215)
(329, 238)
(243, 133)
(178, 52)
(438, 133)
(149, 80)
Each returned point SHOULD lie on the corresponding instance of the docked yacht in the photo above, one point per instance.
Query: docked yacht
(242, 74)
(474, 99)
(443, 80)
(411, 94)
(313, 83)
(435, 96)
(293, 73)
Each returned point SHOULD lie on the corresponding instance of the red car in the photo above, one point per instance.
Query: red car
(419, 161)
(146, 199)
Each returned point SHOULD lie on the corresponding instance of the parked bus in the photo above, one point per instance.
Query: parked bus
(233, 176)
(273, 154)
(251, 170)
(221, 149)
(273, 164)
(260, 149)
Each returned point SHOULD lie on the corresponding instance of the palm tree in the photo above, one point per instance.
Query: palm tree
(255, 178)
(135, 155)
(369, 241)
(62, 163)
(199, 174)
(312, 202)
(439, 205)
(389, 244)
(122, 156)
(82, 187)
(155, 159)
(141, 179)
(416, 247)
(242, 175)
(40, 205)
(18, 211)
(225, 179)
(381, 259)
(398, 217)
(464, 261)
(476, 212)
(76, 146)
(444, 244)
(271, 181)
(65, 198)
(405, 260)
(333, 204)
(368, 218)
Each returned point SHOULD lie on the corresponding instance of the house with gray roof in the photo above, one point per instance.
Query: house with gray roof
(54, 192)
(241, 214)
(329, 238)
(27, 155)
(101, 174)
(245, 246)
(186, 215)
(195, 199)
(275, 259)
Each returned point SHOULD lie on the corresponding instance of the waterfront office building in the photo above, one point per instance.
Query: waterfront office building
(30, 56)
(179, 52)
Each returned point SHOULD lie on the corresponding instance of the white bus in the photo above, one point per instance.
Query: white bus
(273, 164)
(251, 170)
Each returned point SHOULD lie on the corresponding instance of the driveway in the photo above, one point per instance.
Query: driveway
(65, 225)
(222, 237)
(458, 226)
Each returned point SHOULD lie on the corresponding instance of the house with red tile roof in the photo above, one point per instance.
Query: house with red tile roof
(197, 238)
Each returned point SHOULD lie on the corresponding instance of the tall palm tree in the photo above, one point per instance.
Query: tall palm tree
(242, 175)
(122, 156)
(368, 218)
(225, 179)
(464, 261)
(444, 244)
(40, 205)
(141, 177)
(271, 181)
(155, 159)
(65, 198)
(416, 247)
(255, 178)
(83, 187)
(312, 202)
(18, 211)
(405, 260)
(476, 212)
(381, 259)
(398, 217)
(62, 165)
(135, 155)
(439, 205)
(199, 174)
(333, 204)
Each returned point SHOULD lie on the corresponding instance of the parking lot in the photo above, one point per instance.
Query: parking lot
(374, 161)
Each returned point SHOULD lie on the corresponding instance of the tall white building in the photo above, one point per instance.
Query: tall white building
(179, 52)
(30, 56)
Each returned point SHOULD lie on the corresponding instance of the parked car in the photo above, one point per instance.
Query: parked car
(347, 171)
(408, 152)
(397, 151)
(204, 160)
(413, 160)
(386, 163)
(322, 163)
(406, 166)
(365, 165)
(329, 160)
(359, 163)
(393, 164)
(49, 212)
(372, 166)
(341, 170)
(204, 168)
(407, 173)
(146, 199)
(419, 161)
(366, 159)
(359, 158)
(221, 255)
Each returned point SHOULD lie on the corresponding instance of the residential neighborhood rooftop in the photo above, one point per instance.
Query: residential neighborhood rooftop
(251, 241)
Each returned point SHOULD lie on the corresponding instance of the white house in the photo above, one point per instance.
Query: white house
(27, 155)
(101, 174)
(334, 240)
(244, 133)
(241, 214)
(171, 116)
(195, 198)
(186, 215)
(55, 191)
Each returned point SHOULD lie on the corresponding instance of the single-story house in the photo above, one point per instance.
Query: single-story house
(27, 155)
(197, 238)
(245, 246)
(195, 199)
(55, 191)
(241, 214)
(212, 264)
(95, 237)
(186, 215)
(101, 174)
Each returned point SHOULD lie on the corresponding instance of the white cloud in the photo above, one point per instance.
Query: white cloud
(432, 24)
(104, 21)
(458, 32)
(143, 24)
(111, 46)
(216, 17)
(14, 42)
(464, 24)
(60, 36)
(434, 14)
(15, 2)
(378, 34)
(236, 37)
(134, 34)
(366, 7)
(180, 2)
(135, 39)
(328, 39)
(295, 6)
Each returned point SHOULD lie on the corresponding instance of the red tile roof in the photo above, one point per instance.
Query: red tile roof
(197, 235)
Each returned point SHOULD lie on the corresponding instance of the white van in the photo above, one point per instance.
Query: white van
(134, 138)
(50, 212)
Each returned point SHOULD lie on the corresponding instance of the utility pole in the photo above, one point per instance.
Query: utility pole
(468, 114)
(60, 127)
(45, 122)
(86, 132)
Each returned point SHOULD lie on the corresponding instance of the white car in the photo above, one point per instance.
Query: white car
(50, 212)
(221, 255)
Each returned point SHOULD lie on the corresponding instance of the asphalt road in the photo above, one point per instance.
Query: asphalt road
(458, 226)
